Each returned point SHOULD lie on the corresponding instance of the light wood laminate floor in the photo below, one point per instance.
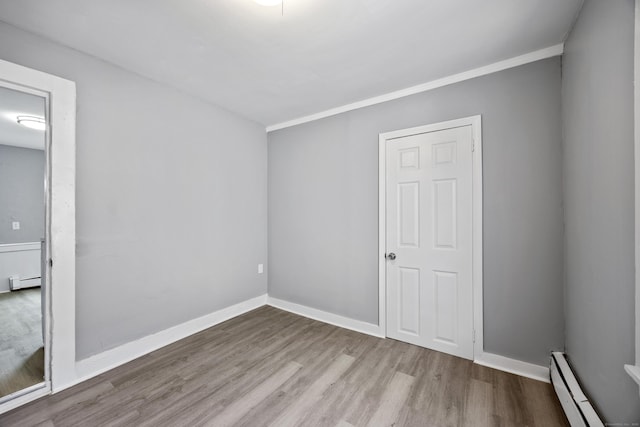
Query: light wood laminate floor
(21, 345)
(273, 368)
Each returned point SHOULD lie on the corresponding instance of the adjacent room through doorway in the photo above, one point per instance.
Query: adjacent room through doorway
(22, 233)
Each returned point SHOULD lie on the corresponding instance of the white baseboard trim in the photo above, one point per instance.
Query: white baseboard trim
(513, 366)
(23, 397)
(110, 359)
(326, 317)
(105, 361)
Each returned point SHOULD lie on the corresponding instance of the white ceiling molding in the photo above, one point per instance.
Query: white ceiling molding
(527, 58)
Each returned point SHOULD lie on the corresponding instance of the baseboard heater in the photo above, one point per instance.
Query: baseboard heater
(577, 407)
(16, 283)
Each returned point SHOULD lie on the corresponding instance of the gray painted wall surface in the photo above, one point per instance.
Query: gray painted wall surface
(597, 111)
(21, 194)
(323, 205)
(171, 199)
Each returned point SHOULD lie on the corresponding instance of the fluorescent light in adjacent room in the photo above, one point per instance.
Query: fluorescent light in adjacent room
(32, 122)
(268, 2)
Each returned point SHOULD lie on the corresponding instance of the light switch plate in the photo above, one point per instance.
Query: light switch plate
(15, 225)
(260, 268)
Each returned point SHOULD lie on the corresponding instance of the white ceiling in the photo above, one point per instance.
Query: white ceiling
(13, 104)
(321, 54)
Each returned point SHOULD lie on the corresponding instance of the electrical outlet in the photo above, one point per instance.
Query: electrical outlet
(260, 268)
(15, 225)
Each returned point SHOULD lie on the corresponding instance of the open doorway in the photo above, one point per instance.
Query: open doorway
(23, 234)
(57, 250)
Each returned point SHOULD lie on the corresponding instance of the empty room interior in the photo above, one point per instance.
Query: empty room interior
(319, 213)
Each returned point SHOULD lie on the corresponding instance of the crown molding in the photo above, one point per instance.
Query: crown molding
(527, 58)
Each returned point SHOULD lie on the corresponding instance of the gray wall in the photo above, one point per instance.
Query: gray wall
(323, 205)
(597, 99)
(171, 199)
(21, 194)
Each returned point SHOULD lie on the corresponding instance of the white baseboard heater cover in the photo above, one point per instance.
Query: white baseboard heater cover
(576, 406)
(15, 283)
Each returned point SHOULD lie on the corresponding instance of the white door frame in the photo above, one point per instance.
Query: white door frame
(476, 124)
(60, 150)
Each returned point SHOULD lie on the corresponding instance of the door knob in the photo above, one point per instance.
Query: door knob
(391, 256)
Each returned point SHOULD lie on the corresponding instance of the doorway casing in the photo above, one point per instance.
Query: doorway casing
(476, 124)
(59, 256)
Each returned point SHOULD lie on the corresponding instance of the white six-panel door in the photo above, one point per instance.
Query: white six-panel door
(429, 233)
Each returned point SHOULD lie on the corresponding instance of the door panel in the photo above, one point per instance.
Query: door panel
(446, 305)
(409, 288)
(409, 215)
(444, 212)
(429, 228)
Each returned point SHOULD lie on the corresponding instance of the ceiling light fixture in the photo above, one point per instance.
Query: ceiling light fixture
(32, 122)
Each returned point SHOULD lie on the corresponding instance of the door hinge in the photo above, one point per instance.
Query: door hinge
(474, 335)
(473, 145)
(50, 262)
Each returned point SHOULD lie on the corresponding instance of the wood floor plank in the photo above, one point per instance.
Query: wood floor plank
(479, 404)
(301, 407)
(253, 366)
(241, 406)
(509, 406)
(537, 394)
(392, 401)
(367, 384)
(48, 408)
(270, 367)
